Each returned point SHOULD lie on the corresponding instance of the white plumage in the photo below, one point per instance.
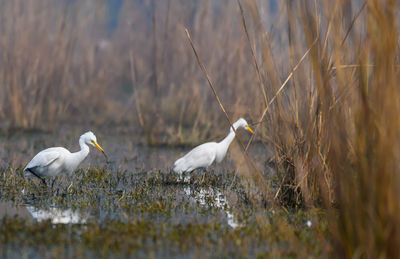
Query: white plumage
(204, 155)
(56, 160)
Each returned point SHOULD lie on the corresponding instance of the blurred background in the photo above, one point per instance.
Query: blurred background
(127, 63)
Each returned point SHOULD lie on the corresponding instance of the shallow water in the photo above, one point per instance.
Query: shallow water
(125, 151)
(133, 206)
(207, 197)
(57, 216)
(126, 154)
(214, 198)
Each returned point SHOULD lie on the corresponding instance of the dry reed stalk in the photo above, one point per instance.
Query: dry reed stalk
(358, 130)
(261, 84)
(257, 176)
(278, 92)
(135, 92)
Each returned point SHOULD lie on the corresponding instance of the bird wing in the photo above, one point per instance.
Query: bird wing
(44, 158)
(200, 156)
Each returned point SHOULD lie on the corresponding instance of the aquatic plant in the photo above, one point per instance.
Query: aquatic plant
(145, 213)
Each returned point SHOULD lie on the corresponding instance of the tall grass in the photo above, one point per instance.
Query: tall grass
(42, 71)
(335, 129)
(62, 63)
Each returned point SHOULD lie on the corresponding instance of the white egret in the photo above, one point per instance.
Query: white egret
(204, 155)
(56, 160)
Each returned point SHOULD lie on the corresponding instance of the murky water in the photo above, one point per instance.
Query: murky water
(214, 198)
(104, 198)
(125, 154)
(133, 205)
(207, 197)
(126, 151)
(57, 216)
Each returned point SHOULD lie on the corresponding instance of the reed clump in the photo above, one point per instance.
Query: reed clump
(334, 127)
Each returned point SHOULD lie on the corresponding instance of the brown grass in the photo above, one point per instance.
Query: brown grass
(335, 131)
(61, 64)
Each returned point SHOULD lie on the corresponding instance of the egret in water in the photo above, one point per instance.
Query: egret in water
(56, 160)
(204, 155)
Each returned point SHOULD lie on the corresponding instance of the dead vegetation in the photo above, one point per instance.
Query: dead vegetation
(335, 128)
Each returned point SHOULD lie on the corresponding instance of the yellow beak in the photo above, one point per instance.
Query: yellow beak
(99, 148)
(249, 129)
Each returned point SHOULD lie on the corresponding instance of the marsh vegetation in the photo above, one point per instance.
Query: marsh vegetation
(317, 79)
(118, 214)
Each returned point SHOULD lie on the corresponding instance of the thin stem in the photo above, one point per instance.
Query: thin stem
(244, 151)
(278, 92)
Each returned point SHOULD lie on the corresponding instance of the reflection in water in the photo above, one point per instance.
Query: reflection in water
(57, 216)
(183, 178)
(308, 223)
(10, 209)
(212, 197)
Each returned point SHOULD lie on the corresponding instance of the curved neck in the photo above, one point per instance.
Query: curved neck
(228, 139)
(223, 146)
(82, 154)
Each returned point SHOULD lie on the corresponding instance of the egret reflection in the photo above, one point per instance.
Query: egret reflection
(215, 198)
(57, 216)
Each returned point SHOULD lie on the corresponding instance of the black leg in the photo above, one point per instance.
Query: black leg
(52, 184)
(32, 172)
